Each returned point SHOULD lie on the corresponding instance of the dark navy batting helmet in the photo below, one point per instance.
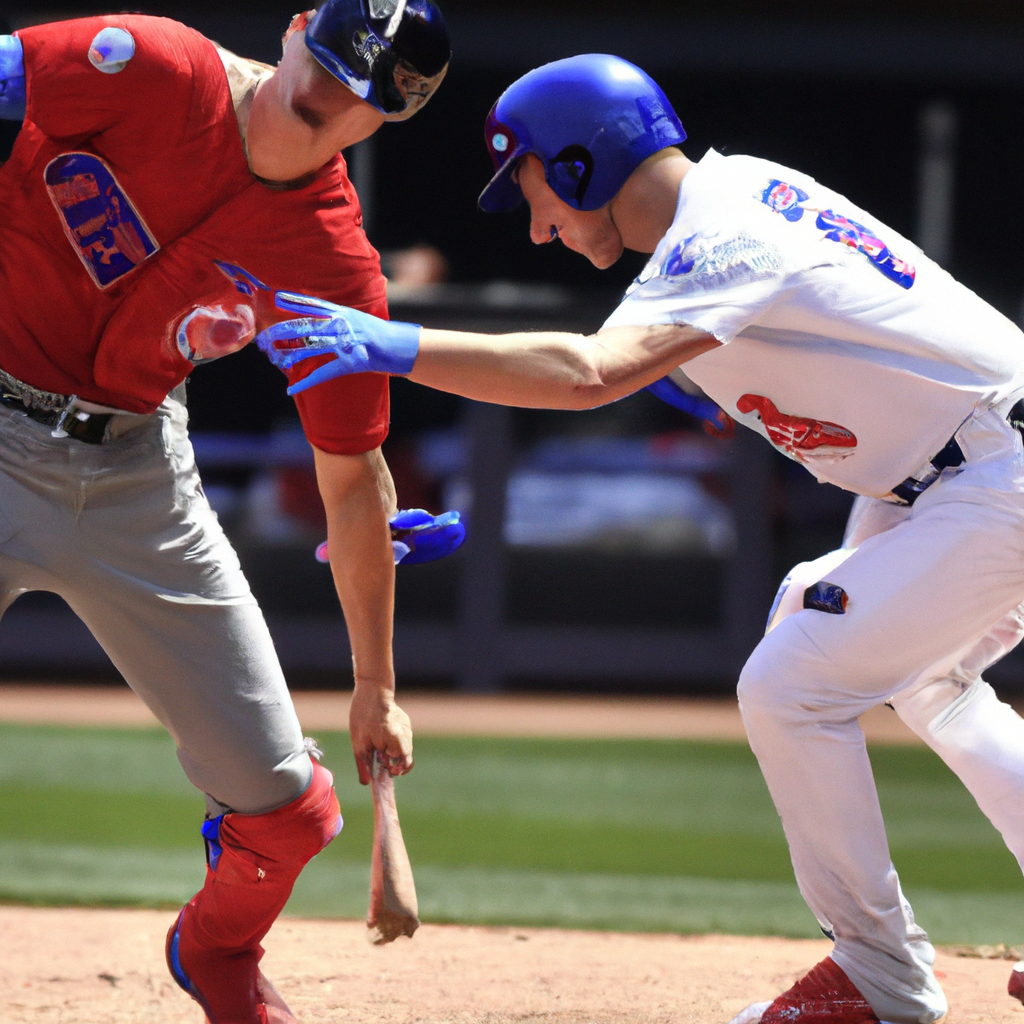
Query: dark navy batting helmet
(391, 53)
(592, 120)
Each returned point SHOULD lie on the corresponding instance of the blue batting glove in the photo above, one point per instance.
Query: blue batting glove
(716, 421)
(12, 79)
(417, 536)
(425, 537)
(359, 342)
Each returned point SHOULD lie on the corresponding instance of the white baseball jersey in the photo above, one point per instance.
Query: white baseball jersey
(848, 348)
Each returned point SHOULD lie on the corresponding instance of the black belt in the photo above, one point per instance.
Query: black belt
(59, 412)
(949, 458)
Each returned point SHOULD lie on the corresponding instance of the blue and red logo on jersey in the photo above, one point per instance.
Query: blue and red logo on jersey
(841, 229)
(99, 219)
(786, 199)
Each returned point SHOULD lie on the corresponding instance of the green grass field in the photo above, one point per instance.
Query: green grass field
(651, 835)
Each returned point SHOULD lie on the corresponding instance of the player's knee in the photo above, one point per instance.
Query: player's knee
(314, 818)
(249, 781)
(294, 833)
(776, 681)
(790, 596)
(759, 689)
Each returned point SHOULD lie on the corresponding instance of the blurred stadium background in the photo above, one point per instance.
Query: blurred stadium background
(618, 551)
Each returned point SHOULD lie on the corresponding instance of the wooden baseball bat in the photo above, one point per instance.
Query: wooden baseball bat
(393, 908)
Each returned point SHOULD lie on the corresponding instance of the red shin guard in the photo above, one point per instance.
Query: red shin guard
(213, 949)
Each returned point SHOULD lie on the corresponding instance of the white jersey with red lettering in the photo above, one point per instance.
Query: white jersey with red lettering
(847, 347)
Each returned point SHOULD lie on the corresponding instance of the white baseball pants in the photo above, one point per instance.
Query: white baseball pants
(934, 598)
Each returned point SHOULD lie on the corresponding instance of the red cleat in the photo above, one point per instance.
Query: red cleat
(825, 995)
(273, 1008)
(1016, 985)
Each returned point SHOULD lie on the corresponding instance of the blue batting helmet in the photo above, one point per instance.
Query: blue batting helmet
(592, 120)
(391, 53)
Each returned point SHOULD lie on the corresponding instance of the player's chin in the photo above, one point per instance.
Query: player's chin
(603, 255)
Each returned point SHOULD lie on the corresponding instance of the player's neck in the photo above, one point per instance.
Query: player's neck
(644, 208)
(301, 117)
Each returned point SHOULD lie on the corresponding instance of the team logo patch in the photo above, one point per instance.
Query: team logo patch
(679, 261)
(99, 219)
(787, 200)
(826, 597)
(784, 199)
(800, 437)
(111, 50)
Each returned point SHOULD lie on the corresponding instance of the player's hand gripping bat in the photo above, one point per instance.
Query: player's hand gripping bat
(393, 909)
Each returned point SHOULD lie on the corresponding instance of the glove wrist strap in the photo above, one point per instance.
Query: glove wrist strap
(402, 349)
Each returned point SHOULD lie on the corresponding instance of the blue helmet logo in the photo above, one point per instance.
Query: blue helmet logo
(591, 120)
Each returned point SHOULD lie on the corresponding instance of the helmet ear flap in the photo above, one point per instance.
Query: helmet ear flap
(389, 96)
(570, 172)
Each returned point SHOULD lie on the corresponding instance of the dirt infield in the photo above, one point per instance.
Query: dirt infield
(75, 966)
(105, 967)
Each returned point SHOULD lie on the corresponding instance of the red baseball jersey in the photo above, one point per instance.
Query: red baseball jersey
(128, 204)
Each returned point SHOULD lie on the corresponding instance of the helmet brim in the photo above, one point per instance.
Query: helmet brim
(502, 193)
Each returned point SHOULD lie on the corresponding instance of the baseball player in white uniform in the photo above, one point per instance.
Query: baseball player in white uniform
(812, 323)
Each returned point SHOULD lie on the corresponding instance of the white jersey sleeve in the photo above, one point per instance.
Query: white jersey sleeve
(718, 268)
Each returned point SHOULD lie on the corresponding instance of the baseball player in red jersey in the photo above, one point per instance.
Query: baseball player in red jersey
(840, 342)
(159, 188)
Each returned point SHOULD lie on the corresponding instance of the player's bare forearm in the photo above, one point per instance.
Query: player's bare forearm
(554, 370)
(359, 496)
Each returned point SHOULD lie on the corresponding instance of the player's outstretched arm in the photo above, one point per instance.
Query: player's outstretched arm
(539, 370)
(550, 370)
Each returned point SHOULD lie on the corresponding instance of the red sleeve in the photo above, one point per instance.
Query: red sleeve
(68, 97)
(347, 415)
(334, 260)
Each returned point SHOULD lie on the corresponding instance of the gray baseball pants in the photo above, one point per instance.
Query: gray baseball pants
(123, 532)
